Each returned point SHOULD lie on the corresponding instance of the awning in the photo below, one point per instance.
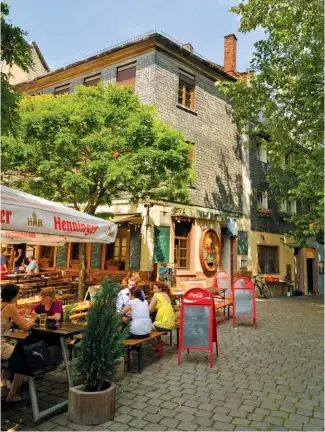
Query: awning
(23, 213)
(127, 217)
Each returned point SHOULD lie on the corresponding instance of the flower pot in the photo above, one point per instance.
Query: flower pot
(119, 374)
(91, 408)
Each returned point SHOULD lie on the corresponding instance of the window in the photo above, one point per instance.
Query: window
(289, 207)
(261, 151)
(74, 251)
(186, 89)
(268, 259)
(262, 199)
(181, 244)
(92, 80)
(61, 89)
(126, 75)
(116, 253)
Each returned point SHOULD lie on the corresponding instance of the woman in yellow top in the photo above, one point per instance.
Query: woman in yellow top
(165, 318)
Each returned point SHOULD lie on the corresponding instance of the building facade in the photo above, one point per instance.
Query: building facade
(193, 238)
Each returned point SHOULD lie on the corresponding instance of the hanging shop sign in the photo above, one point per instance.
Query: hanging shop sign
(210, 250)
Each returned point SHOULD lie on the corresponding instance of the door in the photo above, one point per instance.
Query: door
(225, 263)
(310, 274)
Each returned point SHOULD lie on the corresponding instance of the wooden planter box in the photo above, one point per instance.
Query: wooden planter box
(112, 268)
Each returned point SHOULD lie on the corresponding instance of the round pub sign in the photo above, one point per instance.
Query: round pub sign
(210, 250)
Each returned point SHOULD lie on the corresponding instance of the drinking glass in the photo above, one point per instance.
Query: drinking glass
(42, 321)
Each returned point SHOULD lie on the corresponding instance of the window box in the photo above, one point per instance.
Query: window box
(264, 212)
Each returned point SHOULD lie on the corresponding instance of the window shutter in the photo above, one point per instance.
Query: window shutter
(187, 78)
(284, 206)
(62, 89)
(92, 80)
(126, 75)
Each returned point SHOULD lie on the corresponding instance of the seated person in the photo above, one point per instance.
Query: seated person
(18, 260)
(140, 326)
(165, 318)
(123, 297)
(9, 314)
(49, 305)
(32, 267)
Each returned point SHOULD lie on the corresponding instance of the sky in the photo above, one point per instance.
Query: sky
(67, 30)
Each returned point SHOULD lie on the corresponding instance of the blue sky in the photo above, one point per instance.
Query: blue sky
(66, 30)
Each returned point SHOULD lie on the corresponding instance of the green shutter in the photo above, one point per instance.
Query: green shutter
(96, 255)
(135, 247)
(242, 248)
(162, 244)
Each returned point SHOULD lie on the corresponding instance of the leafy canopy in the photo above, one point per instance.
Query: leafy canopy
(287, 92)
(102, 344)
(14, 51)
(95, 145)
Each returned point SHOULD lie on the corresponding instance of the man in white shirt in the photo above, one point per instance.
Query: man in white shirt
(123, 297)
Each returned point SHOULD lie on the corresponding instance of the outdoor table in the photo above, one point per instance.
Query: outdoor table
(21, 303)
(63, 331)
(218, 293)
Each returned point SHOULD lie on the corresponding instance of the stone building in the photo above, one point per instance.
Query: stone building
(181, 85)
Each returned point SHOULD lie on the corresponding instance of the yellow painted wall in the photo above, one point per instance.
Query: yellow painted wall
(285, 253)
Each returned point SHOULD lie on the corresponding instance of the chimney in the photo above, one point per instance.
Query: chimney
(188, 47)
(229, 63)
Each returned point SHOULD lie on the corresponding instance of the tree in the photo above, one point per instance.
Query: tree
(14, 51)
(286, 91)
(92, 146)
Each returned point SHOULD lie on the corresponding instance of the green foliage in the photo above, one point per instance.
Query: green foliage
(68, 311)
(102, 344)
(14, 51)
(93, 146)
(287, 92)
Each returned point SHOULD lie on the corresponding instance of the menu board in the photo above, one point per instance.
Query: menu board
(96, 255)
(162, 244)
(61, 256)
(196, 326)
(243, 299)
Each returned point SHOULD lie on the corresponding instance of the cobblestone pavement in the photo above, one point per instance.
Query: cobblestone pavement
(270, 378)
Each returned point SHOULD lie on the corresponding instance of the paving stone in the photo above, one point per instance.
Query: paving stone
(281, 414)
(238, 413)
(203, 421)
(118, 427)
(219, 426)
(278, 421)
(206, 407)
(185, 417)
(260, 425)
(123, 418)
(298, 417)
(241, 428)
(138, 423)
(247, 408)
(231, 405)
(77, 427)
(317, 422)
(151, 409)
(153, 418)
(240, 422)
(222, 418)
(167, 412)
(186, 409)
(192, 403)
(63, 428)
(185, 426)
(137, 413)
(47, 426)
(311, 427)
(61, 420)
(256, 416)
(169, 405)
(293, 425)
(154, 427)
(169, 422)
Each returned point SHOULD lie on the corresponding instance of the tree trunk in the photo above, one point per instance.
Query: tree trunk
(82, 271)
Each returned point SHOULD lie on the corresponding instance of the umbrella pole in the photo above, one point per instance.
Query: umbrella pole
(82, 271)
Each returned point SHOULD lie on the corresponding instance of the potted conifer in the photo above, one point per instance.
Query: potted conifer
(101, 349)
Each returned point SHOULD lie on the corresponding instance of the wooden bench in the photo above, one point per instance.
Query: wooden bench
(223, 304)
(136, 344)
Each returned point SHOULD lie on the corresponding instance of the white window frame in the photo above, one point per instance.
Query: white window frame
(265, 202)
(289, 207)
(261, 151)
